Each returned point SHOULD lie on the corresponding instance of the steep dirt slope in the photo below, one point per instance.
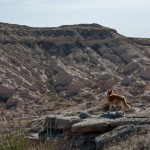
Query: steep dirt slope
(68, 69)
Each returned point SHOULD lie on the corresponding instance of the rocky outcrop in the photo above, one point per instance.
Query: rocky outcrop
(120, 134)
(96, 130)
(55, 122)
(68, 69)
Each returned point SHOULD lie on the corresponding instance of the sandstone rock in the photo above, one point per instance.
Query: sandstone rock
(81, 57)
(60, 88)
(63, 123)
(4, 61)
(109, 84)
(105, 125)
(128, 56)
(29, 86)
(120, 134)
(145, 73)
(62, 80)
(50, 121)
(92, 133)
(19, 80)
(36, 126)
(93, 59)
(56, 122)
(6, 92)
(83, 82)
(112, 115)
(12, 102)
(25, 70)
(72, 90)
(15, 77)
(103, 50)
(43, 78)
(135, 121)
(84, 115)
(112, 57)
(85, 142)
(88, 50)
(91, 125)
(131, 67)
(105, 76)
(128, 80)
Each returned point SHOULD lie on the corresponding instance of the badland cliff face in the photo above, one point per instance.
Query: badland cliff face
(69, 68)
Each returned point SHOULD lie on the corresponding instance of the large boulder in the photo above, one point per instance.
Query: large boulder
(91, 133)
(72, 90)
(80, 57)
(120, 134)
(104, 125)
(145, 73)
(12, 102)
(130, 68)
(84, 115)
(112, 57)
(128, 80)
(62, 80)
(56, 122)
(6, 91)
(91, 125)
(63, 123)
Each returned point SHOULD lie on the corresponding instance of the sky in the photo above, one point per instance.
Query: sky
(129, 17)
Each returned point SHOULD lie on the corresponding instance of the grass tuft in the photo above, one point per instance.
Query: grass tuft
(16, 141)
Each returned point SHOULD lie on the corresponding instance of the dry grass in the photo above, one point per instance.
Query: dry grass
(18, 141)
(135, 142)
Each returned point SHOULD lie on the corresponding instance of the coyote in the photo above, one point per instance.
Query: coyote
(115, 99)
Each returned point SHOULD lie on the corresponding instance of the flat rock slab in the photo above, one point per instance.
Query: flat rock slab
(105, 125)
(60, 122)
(119, 134)
(63, 123)
(75, 125)
(91, 125)
(134, 121)
(57, 122)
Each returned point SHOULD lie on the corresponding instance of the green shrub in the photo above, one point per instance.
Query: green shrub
(18, 141)
(15, 141)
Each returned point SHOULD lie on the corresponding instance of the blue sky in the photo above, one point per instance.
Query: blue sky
(128, 17)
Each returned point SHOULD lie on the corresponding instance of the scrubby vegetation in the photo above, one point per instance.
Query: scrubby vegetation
(135, 142)
(18, 141)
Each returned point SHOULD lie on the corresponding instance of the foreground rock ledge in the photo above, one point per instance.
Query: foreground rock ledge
(95, 132)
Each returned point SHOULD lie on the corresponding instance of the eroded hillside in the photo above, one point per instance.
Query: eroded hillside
(68, 69)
